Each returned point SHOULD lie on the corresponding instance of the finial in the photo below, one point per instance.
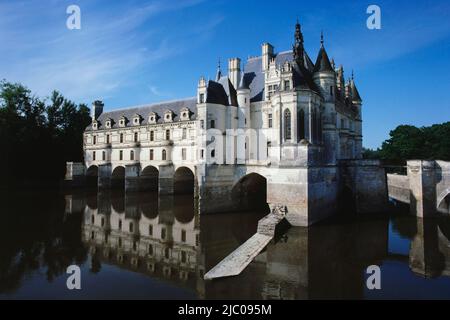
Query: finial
(321, 38)
(333, 64)
(353, 75)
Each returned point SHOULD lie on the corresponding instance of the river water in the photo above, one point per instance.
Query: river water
(143, 246)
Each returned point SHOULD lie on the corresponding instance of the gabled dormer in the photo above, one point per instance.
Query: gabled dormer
(94, 125)
(123, 121)
(137, 119)
(168, 116)
(109, 123)
(185, 114)
(152, 118)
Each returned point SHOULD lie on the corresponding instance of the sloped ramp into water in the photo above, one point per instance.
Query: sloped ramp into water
(240, 258)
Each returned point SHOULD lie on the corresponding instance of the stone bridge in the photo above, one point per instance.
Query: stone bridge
(426, 187)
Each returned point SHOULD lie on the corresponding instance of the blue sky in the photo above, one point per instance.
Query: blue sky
(135, 52)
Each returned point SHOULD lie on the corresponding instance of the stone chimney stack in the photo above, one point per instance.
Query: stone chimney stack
(97, 109)
(267, 55)
(234, 71)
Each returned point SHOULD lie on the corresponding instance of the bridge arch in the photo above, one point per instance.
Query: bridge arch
(118, 177)
(184, 181)
(149, 179)
(250, 191)
(92, 176)
(443, 201)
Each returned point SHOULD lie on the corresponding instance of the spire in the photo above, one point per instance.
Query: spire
(323, 62)
(298, 45)
(219, 72)
(333, 65)
(354, 92)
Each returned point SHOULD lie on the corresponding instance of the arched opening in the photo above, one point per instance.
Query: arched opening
(184, 181)
(118, 178)
(92, 176)
(149, 179)
(287, 124)
(251, 192)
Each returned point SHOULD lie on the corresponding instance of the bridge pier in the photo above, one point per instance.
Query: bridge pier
(166, 180)
(104, 176)
(422, 184)
(132, 173)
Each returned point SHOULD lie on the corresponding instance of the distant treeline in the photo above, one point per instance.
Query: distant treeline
(409, 142)
(37, 136)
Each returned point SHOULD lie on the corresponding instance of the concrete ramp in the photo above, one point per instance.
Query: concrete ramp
(240, 258)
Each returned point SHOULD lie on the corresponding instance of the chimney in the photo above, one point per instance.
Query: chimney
(267, 55)
(234, 71)
(97, 109)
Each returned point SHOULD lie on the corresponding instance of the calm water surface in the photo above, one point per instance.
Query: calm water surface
(144, 247)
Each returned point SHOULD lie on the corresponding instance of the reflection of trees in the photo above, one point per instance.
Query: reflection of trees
(35, 234)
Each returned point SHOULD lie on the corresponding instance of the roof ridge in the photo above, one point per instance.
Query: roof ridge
(151, 104)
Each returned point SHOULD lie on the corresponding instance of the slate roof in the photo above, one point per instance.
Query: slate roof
(323, 62)
(145, 110)
(354, 91)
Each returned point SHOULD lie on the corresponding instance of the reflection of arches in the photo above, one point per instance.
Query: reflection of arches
(118, 177)
(149, 179)
(184, 208)
(92, 176)
(184, 181)
(251, 192)
(443, 201)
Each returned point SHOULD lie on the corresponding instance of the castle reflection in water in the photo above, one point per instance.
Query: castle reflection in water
(165, 238)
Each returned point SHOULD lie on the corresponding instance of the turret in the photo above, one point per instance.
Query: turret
(243, 96)
(96, 109)
(324, 75)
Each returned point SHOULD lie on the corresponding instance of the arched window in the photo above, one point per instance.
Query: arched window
(301, 125)
(287, 124)
(131, 155)
(164, 155)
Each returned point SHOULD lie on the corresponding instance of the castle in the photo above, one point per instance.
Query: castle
(281, 122)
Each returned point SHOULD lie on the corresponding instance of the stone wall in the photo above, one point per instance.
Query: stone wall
(398, 187)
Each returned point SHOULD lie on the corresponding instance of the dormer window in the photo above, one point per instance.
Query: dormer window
(94, 125)
(137, 120)
(108, 123)
(168, 116)
(185, 114)
(152, 118)
(122, 121)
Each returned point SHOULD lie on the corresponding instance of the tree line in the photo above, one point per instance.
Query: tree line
(408, 142)
(38, 136)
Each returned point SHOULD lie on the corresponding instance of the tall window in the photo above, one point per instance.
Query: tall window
(202, 154)
(151, 154)
(164, 155)
(94, 141)
(131, 227)
(120, 155)
(270, 120)
(287, 85)
(163, 233)
(184, 133)
(183, 235)
(107, 138)
(213, 124)
(287, 124)
(150, 230)
(301, 125)
(132, 155)
(167, 134)
(135, 137)
(152, 135)
(93, 155)
(183, 154)
(202, 97)
(120, 224)
(202, 124)
(103, 155)
(121, 138)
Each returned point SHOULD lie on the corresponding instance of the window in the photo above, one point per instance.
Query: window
(301, 125)
(120, 242)
(102, 222)
(120, 224)
(213, 153)
(131, 227)
(184, 136)
(202, 98)
(163, 233)
(213, 124)
(287, 124)
(152, 135)
(331, 90)
(164, 155)
(121, 138)
(202, 154)
(93, 155)
(183, 154)
(167, 134)
(167, 253)
(92, 219)
(131, 155)
(136, 137)
(183, 257)
(183, 235)
(202, 124)
(150, 249)
(270, 120)
(134, 246)
(92, 235)
(120, 155)
(107, 138)
(94, 140)
(150, 230)
(103, 155)
(151, 154)
(287, 85)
